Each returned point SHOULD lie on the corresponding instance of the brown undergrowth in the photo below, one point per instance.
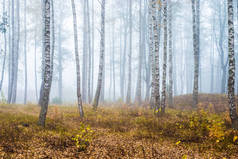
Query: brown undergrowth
(117, 131)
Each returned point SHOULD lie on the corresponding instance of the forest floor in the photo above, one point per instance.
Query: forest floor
(120, 131)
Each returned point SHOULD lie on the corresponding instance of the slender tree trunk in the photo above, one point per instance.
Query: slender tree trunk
(85, 53)
(113, 62)
(5, 44)
(128, 97)
(163, 104)
(80, 105)
(101, 62)
(60, 67)
(138, 87)
(124, 63)
(35, 64)
(231, 79)
(196, 56)
(47, 58)
(89, 54)
(12, 52)
(16, 57)
(92, 85)
(170, 56)
(25, 54)
(53, 41)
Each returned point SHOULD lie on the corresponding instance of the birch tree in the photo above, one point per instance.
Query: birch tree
(170, 55)
(163, 104)
(25, 54)
(79, 98)
(138, 87)
(46, 84)
(128, 97)
(3, 29)
(102, 52)
(231, 79)
(196, 52)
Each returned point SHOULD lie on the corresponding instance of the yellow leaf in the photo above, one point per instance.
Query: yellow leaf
(235, 138)
(217, 141)
(184, 157)
(177, 143)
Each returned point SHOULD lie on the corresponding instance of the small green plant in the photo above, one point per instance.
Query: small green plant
(83, 137)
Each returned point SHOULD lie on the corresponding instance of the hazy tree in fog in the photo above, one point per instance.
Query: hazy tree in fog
(3, 29)
(164, 57)
(16, 57)
(231, 79)
(102, 52)
(85, 52)
(80, 105)
(156, 32)
(93, 35)
(170, 12)
(35, 70)
(195, 8)
(89, 52)
(128, 97)
(53, 41)
(15, 42)
(151, 51)
(222, 26)
(25, 54)
(46, 84)
(60, 55)
(138, 87)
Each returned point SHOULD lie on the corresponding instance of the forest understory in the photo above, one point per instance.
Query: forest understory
(120, 131)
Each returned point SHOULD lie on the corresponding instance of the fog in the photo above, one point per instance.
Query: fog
(213, 43)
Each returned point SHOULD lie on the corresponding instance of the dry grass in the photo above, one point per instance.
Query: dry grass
(119, 131)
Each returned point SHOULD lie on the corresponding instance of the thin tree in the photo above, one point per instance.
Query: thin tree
(138, 87)
(4, 30)
(163, 104)
(128, 97)
(170, 55)
(80, 105)
(46, 84)
(231, 79)
(101, 62)
(196, 54)
(25, 54)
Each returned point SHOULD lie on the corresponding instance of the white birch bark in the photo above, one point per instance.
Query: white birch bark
(102, 52)
(80, 105)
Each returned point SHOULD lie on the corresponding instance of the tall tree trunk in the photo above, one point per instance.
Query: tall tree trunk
(128, 97)
(163, 104)
(92, 85)
(231, 79)
(47, 58)
(170, 56)
(80, 105)
(5, 44)
(53, 41)
(85, 53)
(138, 87)
(60, 67)
(89, 53)
(35, 64)
(25, 54)
(101, 62)
(196, 55)
(16, 56)
(10, 54)
(12, 51)
(113, 62)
